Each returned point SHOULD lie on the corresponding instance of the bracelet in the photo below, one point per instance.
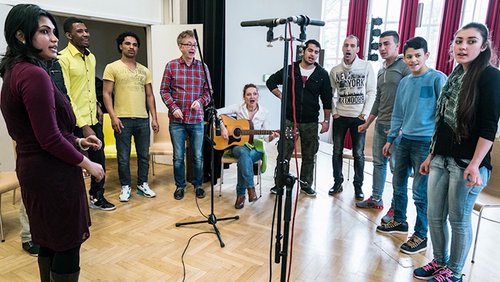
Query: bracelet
(80, 144)
(327, 121)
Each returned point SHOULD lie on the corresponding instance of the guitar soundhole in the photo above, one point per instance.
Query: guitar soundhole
(237, 132)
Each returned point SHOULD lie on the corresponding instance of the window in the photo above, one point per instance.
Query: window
(335, 13)
(389, 11)
(429, 25)
(474, 11)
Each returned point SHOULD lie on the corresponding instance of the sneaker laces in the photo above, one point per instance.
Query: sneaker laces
(145, 187)
(443, 275)
(392, 224)
(431, 266)
(414, 241)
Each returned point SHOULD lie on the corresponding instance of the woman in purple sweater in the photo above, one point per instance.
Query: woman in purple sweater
(49, 166)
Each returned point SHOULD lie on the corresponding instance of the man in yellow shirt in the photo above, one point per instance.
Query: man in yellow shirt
(133, 103)
(78, 67)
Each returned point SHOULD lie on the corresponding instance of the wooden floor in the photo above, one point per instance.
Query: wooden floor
(333, 240)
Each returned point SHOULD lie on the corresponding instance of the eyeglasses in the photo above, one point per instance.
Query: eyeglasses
(189, 45)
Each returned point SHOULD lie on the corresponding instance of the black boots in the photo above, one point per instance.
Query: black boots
(358, 193)
(44, 267)
(71, 277)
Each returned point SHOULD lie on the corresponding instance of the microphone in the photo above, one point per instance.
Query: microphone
(305, 20)
(264, 22)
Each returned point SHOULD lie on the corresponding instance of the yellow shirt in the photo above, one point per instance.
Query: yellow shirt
(79, 78)
(129, 89)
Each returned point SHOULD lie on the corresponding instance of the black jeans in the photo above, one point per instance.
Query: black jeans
(340, 126)
(96, 188)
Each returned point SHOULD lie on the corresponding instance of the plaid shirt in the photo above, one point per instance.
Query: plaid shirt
(181, 85)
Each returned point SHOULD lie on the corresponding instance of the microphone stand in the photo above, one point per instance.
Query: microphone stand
(283, 177)
(212, 121)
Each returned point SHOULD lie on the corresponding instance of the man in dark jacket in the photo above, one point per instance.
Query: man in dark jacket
(312, 83)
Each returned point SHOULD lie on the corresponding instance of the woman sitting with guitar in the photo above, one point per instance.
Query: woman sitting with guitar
(245, 152)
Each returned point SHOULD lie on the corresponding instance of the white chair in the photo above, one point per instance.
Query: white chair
(229, 160)
(490, 196)
(162, 144)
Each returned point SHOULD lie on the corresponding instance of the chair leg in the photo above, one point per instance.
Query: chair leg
(348, 169)
(260, 179)
(315, 171)
(477, 234)
(153, 164)
(1, 222)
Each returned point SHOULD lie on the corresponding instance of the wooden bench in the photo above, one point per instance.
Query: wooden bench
(8, 182)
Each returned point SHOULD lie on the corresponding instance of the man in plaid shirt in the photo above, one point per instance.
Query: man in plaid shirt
(185, 91)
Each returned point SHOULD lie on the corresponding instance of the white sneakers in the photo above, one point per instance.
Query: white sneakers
(142, 190)
(145, 191)
(125, 193)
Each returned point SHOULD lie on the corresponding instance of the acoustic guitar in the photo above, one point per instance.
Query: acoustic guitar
(240, 131)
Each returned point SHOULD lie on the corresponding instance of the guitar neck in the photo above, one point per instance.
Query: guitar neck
(256, 132)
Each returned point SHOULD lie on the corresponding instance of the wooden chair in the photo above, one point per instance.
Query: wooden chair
(368, 150)
(8, 182)
(225, 160)
(162, 144)
(490, 196)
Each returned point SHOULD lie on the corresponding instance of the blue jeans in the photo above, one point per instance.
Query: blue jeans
(450, 197)
(340, 127)
(178, 133)
(246, 157)
(139, 128)
(379, 160)
(411, 154)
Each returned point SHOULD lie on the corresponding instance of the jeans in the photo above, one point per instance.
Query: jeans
(25, 224)
(379, 160)
(139, 129)
(411, 154)
(450, 197)
(309, 147)
(246, 157)
(96, 188)
(178, 133)
(340, 127)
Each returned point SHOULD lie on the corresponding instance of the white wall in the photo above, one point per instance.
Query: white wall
(7, 161)
(132, 11)
(248, 58)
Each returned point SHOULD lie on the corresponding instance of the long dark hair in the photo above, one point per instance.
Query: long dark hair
(23, 18)
(469, 92)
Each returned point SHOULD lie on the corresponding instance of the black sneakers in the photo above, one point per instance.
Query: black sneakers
(393, 227)
(414, 245)
(31, 248)
(100, 203)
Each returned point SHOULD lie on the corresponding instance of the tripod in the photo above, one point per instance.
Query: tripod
(213, 123)
(283, 178)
